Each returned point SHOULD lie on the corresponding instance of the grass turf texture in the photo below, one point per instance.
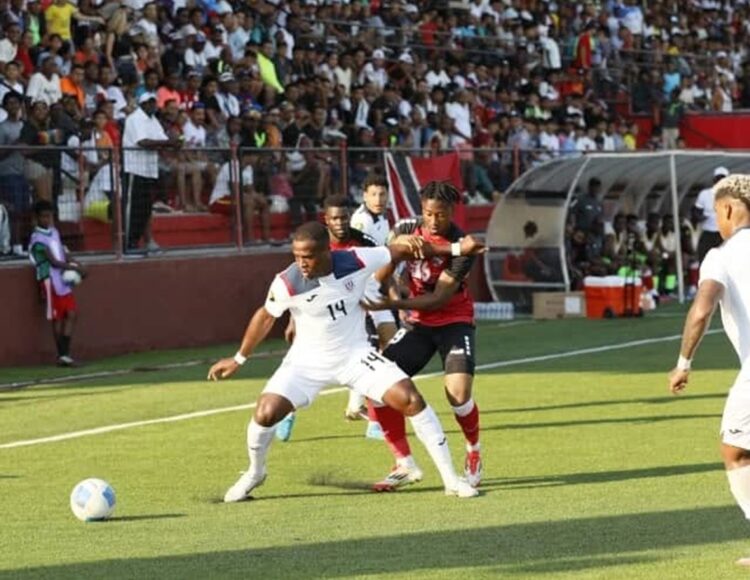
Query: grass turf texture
(591, 471)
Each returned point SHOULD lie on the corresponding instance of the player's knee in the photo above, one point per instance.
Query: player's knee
(267, 412)
(404, 398)
(414, 403)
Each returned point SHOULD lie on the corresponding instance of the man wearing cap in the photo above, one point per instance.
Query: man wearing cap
(704, 204)
(227, 95)
(374, 71)
(195, 55)
(141, 140)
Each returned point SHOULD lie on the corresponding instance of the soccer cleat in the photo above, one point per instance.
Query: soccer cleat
(473, 468)
(462, 489)
(245, 484)
(374, 431)
(355, 414)
(400, 476)
(285, 426)
(743, 562)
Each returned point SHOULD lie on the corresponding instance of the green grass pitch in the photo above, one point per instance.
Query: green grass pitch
(592, 470)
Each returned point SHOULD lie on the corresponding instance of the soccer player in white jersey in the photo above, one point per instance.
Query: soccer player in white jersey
(323, 291)
(725, 281)
(371, 217)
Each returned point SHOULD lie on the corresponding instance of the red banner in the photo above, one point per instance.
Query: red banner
(408, 175)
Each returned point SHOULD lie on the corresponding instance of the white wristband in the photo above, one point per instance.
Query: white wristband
(456, 249)
(239, 359)
(684, 364)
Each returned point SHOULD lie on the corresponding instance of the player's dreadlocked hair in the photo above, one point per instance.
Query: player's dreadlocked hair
(735, 186)
(440, 191)
(312, 231)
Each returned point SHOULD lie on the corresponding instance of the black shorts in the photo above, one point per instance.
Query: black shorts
(412, 349)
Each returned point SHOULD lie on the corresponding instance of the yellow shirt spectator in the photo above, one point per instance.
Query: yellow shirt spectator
(58, 18)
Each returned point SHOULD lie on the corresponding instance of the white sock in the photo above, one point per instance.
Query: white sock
(739, 483)
(407, 462)
(465, 409)
(258, 441)
(430, 432)
(356, 401)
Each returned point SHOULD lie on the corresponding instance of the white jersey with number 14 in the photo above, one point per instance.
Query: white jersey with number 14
(327, 311)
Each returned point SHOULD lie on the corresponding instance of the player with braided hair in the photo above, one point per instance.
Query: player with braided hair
(441, 319)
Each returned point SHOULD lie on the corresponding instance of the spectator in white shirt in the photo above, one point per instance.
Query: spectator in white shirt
(194, 162)
(460, 112)
(44, 85)
(10, 81)
(215, 46)
(142, 138)
(585, 141)
(237, 35)
(195, 56)
(9, 44)
(227, 95)
(374, 72)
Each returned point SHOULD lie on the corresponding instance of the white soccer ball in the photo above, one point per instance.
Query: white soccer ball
(92, 499)
(71, 277)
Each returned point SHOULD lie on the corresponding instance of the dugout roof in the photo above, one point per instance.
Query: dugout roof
(638, 182)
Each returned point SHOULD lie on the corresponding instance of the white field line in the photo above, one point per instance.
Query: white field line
(332, 391)
(47, 382)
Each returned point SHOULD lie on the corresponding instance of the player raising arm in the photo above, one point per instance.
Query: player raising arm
(725, 281)
(323, 290)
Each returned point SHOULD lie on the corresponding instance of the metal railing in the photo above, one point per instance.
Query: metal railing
(105, 198)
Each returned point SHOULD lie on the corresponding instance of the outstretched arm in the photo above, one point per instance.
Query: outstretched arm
(696, 324)
(407, 247)
(257, 330)
(416, 248)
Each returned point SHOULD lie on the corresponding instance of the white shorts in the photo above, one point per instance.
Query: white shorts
(735, 422)
(367, 372)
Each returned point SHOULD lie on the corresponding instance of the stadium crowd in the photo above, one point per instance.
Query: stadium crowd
(544, 77)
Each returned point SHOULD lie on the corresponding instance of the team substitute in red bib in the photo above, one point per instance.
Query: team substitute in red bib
(441, 315)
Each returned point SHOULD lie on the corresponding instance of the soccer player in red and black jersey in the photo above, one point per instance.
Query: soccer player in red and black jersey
(343, 237)
(441, 315)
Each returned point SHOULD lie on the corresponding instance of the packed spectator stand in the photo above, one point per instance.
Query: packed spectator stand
(284, 87)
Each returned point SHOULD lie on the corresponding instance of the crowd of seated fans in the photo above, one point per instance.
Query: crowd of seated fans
(422, 76)
(629, 246)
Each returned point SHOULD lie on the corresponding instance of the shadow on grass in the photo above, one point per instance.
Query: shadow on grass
(541, 425)
(611, 421)
(665, 400)
(602, 476)
(575, 544)
(146, 517)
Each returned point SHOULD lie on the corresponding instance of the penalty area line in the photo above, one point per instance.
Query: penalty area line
(332, 391)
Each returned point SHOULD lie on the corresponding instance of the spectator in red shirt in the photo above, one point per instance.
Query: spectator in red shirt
(168, 91)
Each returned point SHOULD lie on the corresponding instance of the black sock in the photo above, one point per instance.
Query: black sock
(63, 348)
